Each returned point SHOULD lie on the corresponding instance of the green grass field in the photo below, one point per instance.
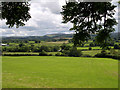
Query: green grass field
(91, 52)
(88, 48)
(59, 72)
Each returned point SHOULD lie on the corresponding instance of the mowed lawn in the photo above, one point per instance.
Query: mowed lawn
(59, 72)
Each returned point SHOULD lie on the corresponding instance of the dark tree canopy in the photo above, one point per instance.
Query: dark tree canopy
(90, 18)
(119, 2)
(15, 13)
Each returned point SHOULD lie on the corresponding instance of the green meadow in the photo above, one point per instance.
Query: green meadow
(59, 72)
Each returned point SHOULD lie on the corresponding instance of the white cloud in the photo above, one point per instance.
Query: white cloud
(46, 19)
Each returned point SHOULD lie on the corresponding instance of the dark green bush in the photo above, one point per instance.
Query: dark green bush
(50, 55)
(19, 54)
(66, 52)
(74, 52)
(116, 46)
(90, 48)
(103, 55)
(86, 55)
(103, 52)
(65, 47)
(63, 54)
(113, 52)
(58, 54)
(43, 53)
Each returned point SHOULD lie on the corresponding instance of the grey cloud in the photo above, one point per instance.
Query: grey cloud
(53, 6)
(46, 19)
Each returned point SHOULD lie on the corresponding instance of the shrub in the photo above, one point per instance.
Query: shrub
(74, 52)
(118, 52)
(66, 52)
(86, 55)
(100, 55)
(57, 54)
(116, 46)
(21, 44)
(116, 57)
(56, 48)
(113, 52)
(91, 45)
(50, 55)
(43, 53)
(19, 54)
(90, 48)
(103, 52)
(45, 48)
(65, 47)
(63, 54)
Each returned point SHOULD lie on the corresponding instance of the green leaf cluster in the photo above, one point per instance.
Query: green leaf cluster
(90, 18)
(15, 13)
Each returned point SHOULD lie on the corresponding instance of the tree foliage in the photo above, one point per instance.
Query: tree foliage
(90, 18)
(119, 2)
(15, 13)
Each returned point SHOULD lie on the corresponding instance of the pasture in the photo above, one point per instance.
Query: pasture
(59, 72)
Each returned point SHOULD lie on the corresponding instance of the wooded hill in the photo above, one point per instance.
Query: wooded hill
(52, 36)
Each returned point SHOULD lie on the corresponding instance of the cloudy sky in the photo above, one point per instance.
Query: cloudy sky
(46, 19)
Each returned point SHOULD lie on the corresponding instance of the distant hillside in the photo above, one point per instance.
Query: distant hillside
(53, 36)
(60, 36)
(46, 37)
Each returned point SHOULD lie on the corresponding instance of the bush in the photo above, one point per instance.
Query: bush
(103, 52)
(56, 48)
(65, 47)
(20, 54)
(43, 53)
(50, 55)
(113, 52)
(74, 52)
(100, 55)
(66, 52)
(103, 55)
(107, 56)
(58, 54)
(63, 54)
(90, 48)
(86, 55)
(21, 44)
(45, 48)
(91, 45)
(116, 46)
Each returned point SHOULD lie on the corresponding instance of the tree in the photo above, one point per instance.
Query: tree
(119, 2)
(74, 52)
(116, 46)
(21, 44)
(65, 46)
(43, 53)
(88, 19)
(15, 13)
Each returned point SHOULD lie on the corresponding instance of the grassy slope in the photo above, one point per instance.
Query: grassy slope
(59, 72)
(91, 52)
(88, 48)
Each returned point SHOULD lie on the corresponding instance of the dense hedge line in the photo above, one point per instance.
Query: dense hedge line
(102, 55)
(31, 48)
(62, 54)
(20, 55)
(27, 55)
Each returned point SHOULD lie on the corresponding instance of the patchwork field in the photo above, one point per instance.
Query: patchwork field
(59, 72)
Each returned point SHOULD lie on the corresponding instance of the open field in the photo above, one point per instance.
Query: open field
(53, 43)
(59, 72)
(88, 48)
(94, 52)
(91, 52)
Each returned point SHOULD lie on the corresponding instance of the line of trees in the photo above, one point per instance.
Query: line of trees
(32, 48)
